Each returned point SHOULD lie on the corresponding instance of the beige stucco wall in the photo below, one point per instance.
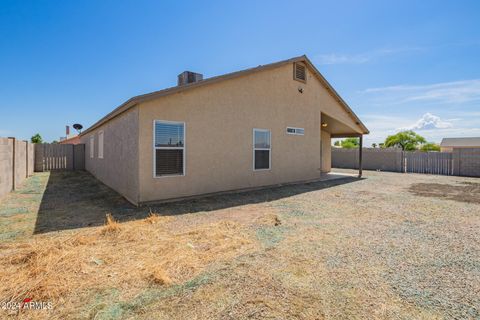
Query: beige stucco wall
(119, 167)
(326, 152)
(219, 133)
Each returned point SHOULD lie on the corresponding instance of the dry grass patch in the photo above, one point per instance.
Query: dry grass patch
(111, 225)
(269, 219)
(159, 276)
(143, 253)
(153, 218)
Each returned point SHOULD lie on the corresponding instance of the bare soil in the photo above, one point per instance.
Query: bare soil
(463, 192)
(389, 246)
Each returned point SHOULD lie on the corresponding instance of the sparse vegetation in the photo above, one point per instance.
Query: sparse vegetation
(111, 226)
(37, 138)
(430, 146)
(324, 250)
(348, 143)
(407, 140)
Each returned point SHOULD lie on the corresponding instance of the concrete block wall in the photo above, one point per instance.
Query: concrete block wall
(31, 159)
(345, 158)
(16, 163)
(383, 159)
(6, 162)
(20, 162)
(373, 159)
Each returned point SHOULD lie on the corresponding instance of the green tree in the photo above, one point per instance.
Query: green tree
(337, 143)
(36, 138)
(350, 143)
(407, 140)
(374, 145)
(430, 146)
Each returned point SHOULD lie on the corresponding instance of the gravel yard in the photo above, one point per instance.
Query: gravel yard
(388, 246)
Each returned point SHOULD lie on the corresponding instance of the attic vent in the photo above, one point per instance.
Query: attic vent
(299, 72)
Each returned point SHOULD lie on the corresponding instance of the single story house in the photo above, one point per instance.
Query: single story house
(263, 126)
(449, 144)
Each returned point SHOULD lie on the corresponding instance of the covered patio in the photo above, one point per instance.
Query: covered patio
(338, 129)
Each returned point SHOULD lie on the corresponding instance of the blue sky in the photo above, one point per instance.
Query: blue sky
(399, 64)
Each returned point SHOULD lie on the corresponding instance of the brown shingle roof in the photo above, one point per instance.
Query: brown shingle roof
(153, 95)
(461, 142)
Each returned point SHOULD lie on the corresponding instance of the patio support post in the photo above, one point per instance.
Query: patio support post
(360, 153)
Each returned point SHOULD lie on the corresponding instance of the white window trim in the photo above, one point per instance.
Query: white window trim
(269, 149)
(184, 148)
(101, 143)
(92, 146)
(295, 133)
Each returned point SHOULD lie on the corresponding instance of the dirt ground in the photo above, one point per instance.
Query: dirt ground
(388, 246)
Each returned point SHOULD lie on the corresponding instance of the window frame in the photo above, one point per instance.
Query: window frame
(101, 134)
(92, 146)
(264, 149)
(184, 148)
(295, 133)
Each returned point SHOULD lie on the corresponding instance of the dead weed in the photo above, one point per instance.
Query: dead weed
(144, 253)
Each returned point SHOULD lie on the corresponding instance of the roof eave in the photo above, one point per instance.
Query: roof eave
(145, 97)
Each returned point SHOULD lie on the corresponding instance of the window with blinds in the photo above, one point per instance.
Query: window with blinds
(299, 72)
(261, 149)
(169, 148)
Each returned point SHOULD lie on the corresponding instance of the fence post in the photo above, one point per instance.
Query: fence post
(13, 162)
(360, 156)
(26, 159)
(73, 157)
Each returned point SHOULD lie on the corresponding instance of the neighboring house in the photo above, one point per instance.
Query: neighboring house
(258, 127)
(69, 138)
(449, 144)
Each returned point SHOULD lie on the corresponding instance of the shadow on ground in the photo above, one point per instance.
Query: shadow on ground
(75, 199)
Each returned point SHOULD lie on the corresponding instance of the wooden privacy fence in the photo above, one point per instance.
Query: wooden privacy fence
(429, 162)
(50, 157)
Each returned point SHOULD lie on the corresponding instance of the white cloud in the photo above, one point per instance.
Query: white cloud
(429, 122)
(455, 92)
(333, 58)
(359, 58)
(433, 129)
(448, 109)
